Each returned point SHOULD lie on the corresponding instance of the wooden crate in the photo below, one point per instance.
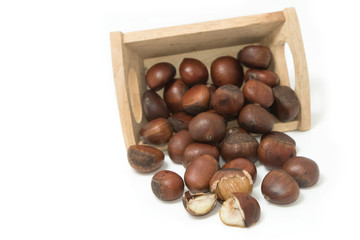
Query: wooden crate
(134, 52)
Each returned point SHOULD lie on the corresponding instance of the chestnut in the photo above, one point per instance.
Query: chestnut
(196, 99)
(286, 104)
(240, 210)
(195, 150)
(199, 172)
(227, 100)
(255, 56)
(173, 94)
(177, 144)
(275, 148)
(193, 71)
(256, 91)
(199, 204)
(230, 180)
(304, 170)
(180, 121)
(158, 75)
(255, 119)
(242, 164)
(207, 127)
(227, 70)
(167, 185)
(268, 77)
(154, 106)
(239, 145)
(279, 187)
(156, 132)
(144, 158)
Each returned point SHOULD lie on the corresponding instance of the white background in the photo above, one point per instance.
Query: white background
(63, 167)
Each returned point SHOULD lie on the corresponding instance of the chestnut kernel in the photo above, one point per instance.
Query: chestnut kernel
(195, 150)
(268, 77)
(227, 70)
(286, 104)
(199, 172)
(156, 132)
(154, 106)
(180, 121)
(239, 145)
(177, 145)
(159, 75)
(193, 71)
(240, 210)
(196, 99)
(167, 185)
(145, 159)
(304, 170)
(255, 56)
(258, 92)
(255, 119)
(279, 187)
(227, 100)
(242, 164)
(173, 94)
(199, 204)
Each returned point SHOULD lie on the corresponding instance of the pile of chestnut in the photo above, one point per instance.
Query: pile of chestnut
(192, 119)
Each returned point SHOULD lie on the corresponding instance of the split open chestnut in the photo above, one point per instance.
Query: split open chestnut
(242, 164)
(199, 204)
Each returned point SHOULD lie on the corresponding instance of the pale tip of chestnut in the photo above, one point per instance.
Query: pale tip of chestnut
(199, 204)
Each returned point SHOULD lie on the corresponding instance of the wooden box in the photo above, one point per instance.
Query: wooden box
(134, 52)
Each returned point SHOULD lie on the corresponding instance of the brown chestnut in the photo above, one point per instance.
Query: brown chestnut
(279, 187)
(199, 172)
(144, 158)
(167, 185)
(275, 148)
(256, 91)
(230, 180)
(243, 164)
(199, 204)
(195, 150)
(177, 144)
(193, 71)
(255, 119)
(173, 94)
(180, 121)
(158, 75)
(268, 77)
(240, 210)
(286, 104)
(255, 56)
(196, 99)
(239, 145)
(154, 106)
(156, 132)
(227, 70)
(304, 170)
(207, 127)
(227, 100)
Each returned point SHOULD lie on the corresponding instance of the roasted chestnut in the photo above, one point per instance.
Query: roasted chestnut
(154, 106)
(159, 75)
(193, 71)
(227, 70)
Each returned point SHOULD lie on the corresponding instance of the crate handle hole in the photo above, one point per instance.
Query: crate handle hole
(290, 65)
(134, 95)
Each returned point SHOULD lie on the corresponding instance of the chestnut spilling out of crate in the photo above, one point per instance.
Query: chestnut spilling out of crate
(135, 52)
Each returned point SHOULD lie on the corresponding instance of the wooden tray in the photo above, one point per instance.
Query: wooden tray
(134, 52)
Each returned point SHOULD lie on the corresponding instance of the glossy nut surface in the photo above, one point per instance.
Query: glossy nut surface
(227, 70)
(167, 185)
(239, 145)
(153, 106)
(156, 132)
(258, 92)
(145, 159)
(199, 172)
(304, 170)
(242, 164)
(255, 119)
(227, 100)
(268, 77)
(195, 150)
(180, 121)
(207, 127)
(275, 148)
(193, 71)
(177, 145)
(255, 56)
(173, 94)
(199, 204)
(286, 104)
(158, 75)
(196, 99)
(279, 187)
